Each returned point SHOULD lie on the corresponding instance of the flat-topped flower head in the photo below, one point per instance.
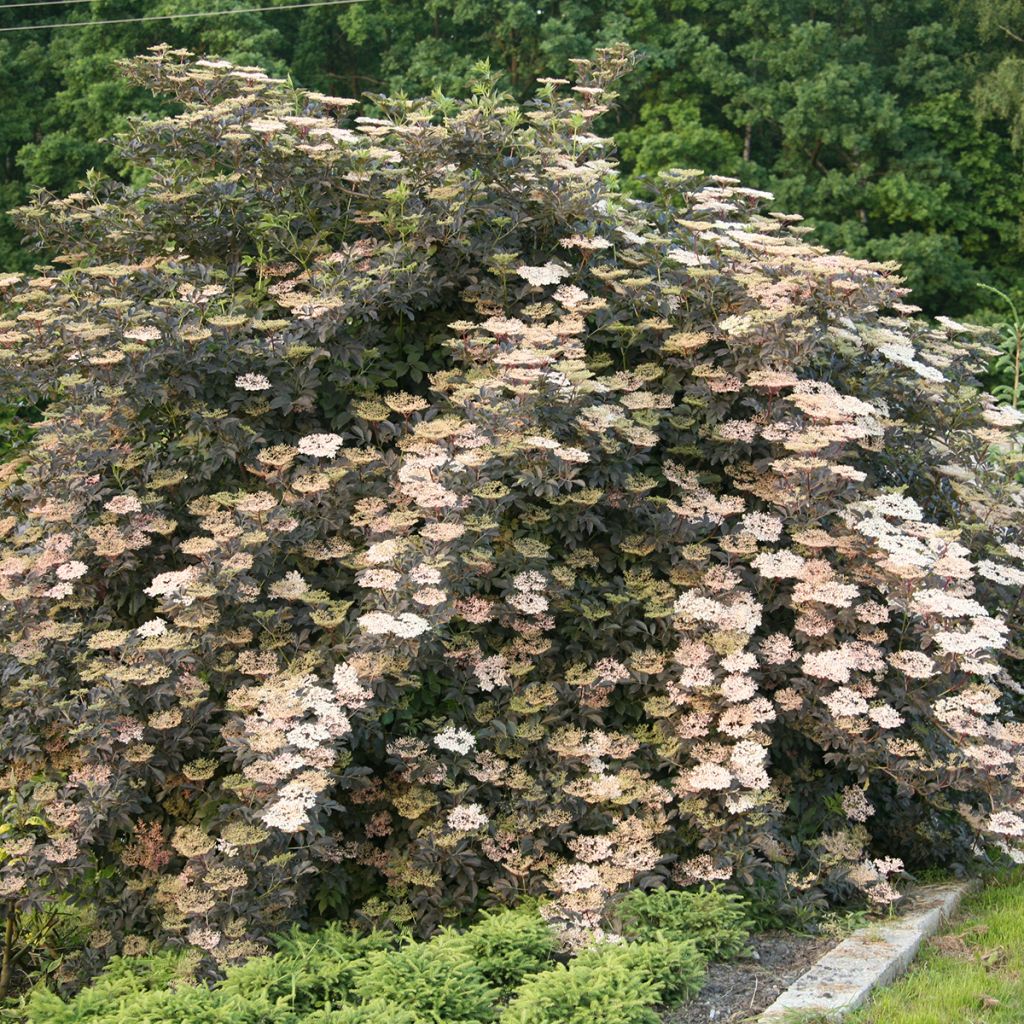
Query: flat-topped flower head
(458, 741)
(323, 446)
(71, 570)
(252, 382)
(550, 273)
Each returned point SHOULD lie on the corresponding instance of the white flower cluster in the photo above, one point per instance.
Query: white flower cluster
(173, 585)
(350, 693)
(458, 740)
(491, 672)
(1006, 823)
(299, 723)
(122, 504)
(406, 626)
(550, 273)
(467, 818)
(252, 382)
(904, 355)
(71, 571)
(322, 446)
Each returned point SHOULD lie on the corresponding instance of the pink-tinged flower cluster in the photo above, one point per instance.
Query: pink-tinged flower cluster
(294, 729)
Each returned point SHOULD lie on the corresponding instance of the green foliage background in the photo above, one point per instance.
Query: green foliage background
(894, 126)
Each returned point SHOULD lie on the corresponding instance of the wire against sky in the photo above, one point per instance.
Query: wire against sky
(170, 17)
(45, 3)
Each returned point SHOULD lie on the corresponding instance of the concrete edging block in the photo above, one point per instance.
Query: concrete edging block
(875, 955)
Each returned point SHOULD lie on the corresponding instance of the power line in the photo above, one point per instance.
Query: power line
(46, 3)
(171, 17)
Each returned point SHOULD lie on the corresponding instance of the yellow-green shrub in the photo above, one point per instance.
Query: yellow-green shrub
(673, 967)
(605, 986)
(309, 969)
(717, 922)
(377, 1011)
(441, 985)
(505, 946)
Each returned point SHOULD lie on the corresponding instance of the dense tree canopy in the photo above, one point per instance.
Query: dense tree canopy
(894, 128)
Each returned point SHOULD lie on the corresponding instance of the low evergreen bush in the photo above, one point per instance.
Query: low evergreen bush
(506, 946)
(377, 1011)
(597, 994)
(717, 922)
(122, 981)
(612, 983)
(440, 984)
(200, 1005)
(185, 1004)
(309, 969)
(502, 967)
(674, 967)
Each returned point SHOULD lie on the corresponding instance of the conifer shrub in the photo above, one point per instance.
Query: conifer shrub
(308, 969)
(317, 978)
(674, 967)
(418, 523)
(436, 981)
(378, 1011)
(194, 1004)
(122, 982)
(594, 994)
(505, 947)
(185, 1004)
(717, 922)
(611, 983)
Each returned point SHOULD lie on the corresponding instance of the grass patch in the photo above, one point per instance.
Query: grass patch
(973, 973)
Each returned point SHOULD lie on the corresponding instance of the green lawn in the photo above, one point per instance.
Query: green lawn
(973, 973)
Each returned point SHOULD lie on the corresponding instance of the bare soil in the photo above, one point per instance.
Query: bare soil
(737, 992)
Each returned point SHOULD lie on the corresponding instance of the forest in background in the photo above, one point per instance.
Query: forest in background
(895, 128)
